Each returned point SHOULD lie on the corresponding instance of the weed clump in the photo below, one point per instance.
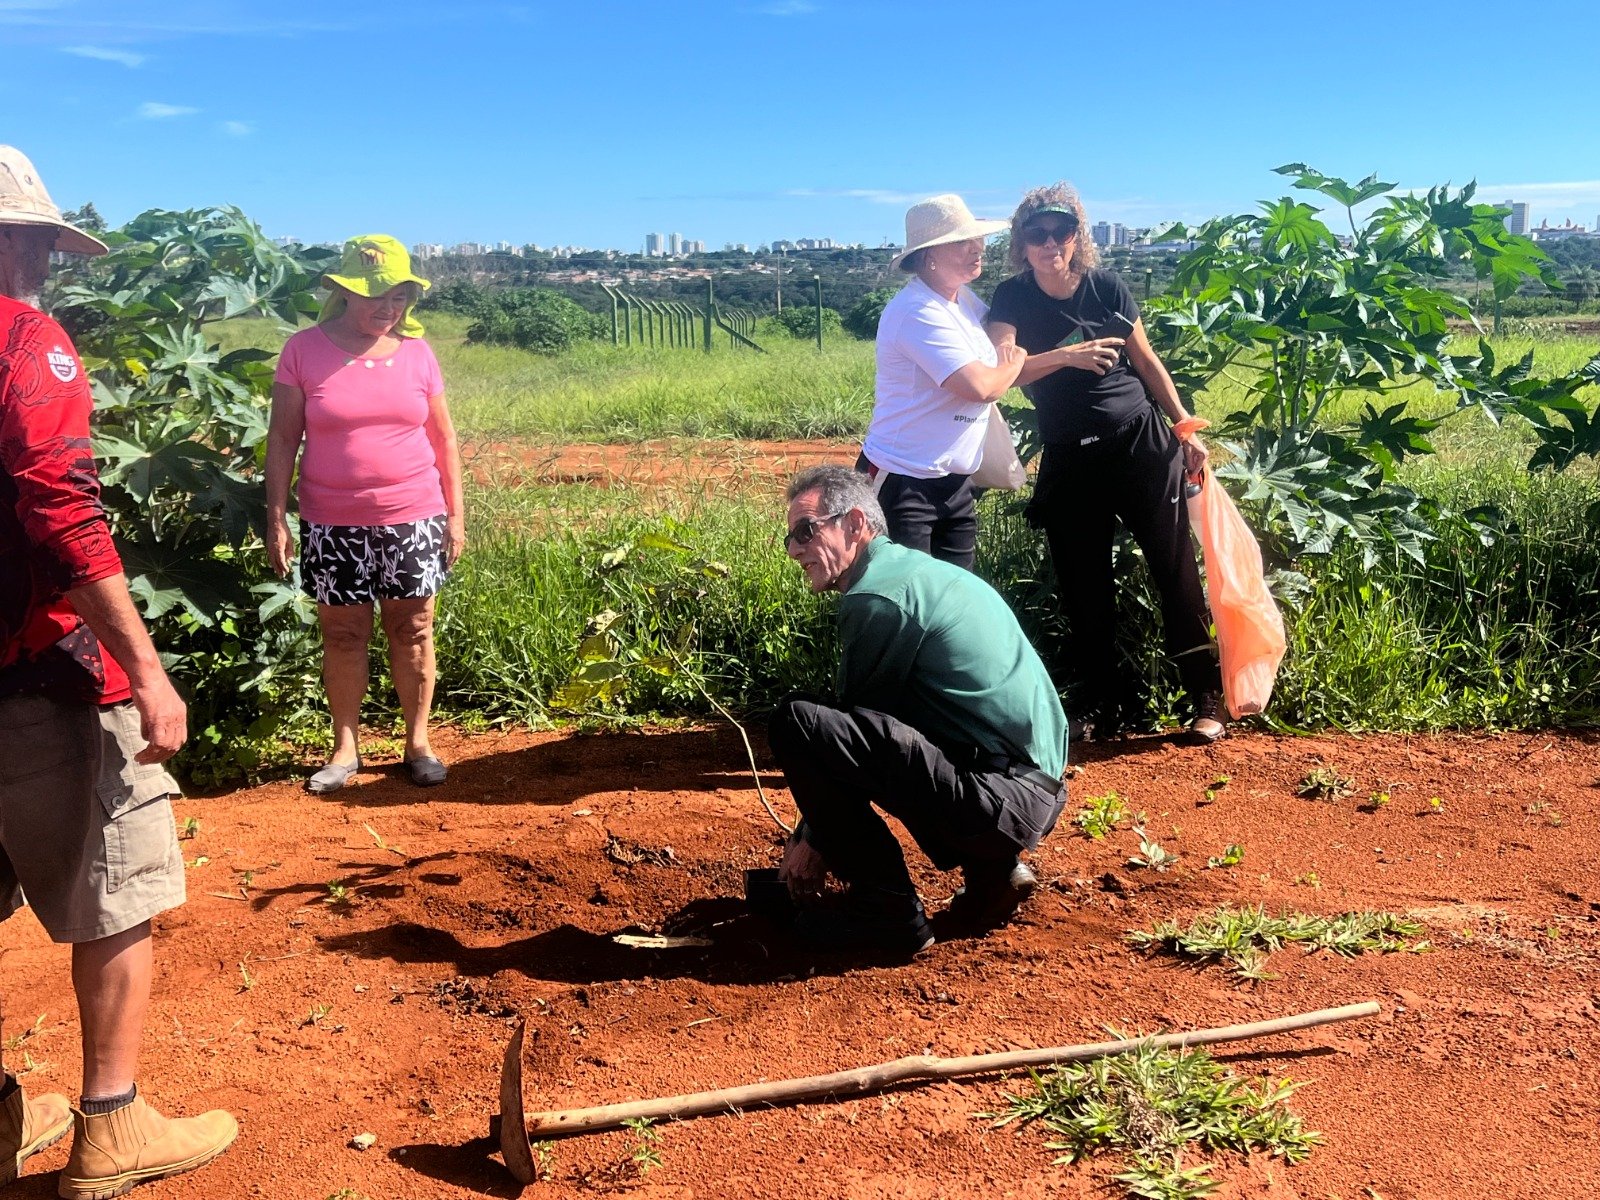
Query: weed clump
(1153, 1105)
(1244, 937)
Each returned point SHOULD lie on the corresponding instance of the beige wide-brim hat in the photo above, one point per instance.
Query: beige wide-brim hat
(23, 201)
(942, 219)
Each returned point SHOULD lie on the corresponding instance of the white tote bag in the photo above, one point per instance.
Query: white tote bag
(999, 468)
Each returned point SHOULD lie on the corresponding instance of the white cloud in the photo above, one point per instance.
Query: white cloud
(150, 110)
(237, 128)
(786, 8)
(126, 57)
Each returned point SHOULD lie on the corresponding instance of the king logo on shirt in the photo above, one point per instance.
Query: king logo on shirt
(63, 366)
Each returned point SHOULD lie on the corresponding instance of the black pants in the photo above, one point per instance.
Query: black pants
(841, 762)
(937, 516)
(1134, 475)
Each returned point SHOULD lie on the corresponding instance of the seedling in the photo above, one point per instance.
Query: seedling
(1433, 807)
(1100, 814)
(246, 878)
(1231, 857)
(1151, 854)
(1209, 798)
(317, 1013)
(189, 828)
(544, 1161)
(1220, 782)
(645, 1156)
(383, 845)
(244, 974)
(1324, 783)
(1244, 936)
(1377, 801)
(1157, 1107)
(1310, 879)
(338, 892)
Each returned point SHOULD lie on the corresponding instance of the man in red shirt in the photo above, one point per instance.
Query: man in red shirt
(86, 825)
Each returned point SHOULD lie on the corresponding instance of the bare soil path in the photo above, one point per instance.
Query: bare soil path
(499, 894)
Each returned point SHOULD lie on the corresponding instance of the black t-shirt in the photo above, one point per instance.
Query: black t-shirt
(1073, 404)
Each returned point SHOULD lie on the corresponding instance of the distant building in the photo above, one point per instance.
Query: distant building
(287, 241)
(427, 250)
(1517, 222)
(652, 245)
(1546, 232)
(674, 244)
(469, 249)
(1109, 233)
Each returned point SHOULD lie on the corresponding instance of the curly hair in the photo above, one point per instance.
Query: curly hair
(1058, 195)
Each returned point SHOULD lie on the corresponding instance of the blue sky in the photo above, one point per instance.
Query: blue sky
(747, 120)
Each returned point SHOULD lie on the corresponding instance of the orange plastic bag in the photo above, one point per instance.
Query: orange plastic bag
(1250, 639)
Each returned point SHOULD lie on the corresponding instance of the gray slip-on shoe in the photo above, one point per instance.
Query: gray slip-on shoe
(332, 777)
(426, 772)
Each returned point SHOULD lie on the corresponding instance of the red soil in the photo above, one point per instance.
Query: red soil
(501, 891)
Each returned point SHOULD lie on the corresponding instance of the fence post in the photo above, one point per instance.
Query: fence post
(627, 320)
(818, 280)
(614, 330)
(711, 301)
(1149, 274)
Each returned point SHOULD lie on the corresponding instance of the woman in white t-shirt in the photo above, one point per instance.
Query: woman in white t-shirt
(938, 377)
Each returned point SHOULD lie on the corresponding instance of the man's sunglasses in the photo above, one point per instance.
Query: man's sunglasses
(806, 529)
(1038, 235)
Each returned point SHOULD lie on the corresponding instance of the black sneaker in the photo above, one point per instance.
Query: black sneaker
(992, 894)
(868, 917)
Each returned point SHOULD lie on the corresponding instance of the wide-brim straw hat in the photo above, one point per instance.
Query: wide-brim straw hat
(23, 201)
(939, 220)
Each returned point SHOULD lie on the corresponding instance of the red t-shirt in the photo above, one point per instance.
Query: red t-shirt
(53, 531)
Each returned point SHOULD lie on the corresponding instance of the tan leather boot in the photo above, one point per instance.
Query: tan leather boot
(28, 1126)
(113, 1151)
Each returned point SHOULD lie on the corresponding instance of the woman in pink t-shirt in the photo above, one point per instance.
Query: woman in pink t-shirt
(381, 512)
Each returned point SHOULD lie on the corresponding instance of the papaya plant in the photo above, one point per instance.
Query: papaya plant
(180, 428)
(1304, 316)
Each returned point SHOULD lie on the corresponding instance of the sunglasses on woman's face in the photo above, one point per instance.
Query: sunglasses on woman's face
(1057, 232)
(807, 528)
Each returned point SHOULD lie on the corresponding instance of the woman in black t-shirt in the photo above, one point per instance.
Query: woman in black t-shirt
(1108, 455)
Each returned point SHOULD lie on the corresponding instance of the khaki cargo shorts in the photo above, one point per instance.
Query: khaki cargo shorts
(87, 836)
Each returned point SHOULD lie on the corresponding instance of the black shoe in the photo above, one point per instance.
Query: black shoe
(992, 894)
(1210, 718)
(868, 917)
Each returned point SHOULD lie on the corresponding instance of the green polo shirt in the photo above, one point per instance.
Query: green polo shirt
(936, 647)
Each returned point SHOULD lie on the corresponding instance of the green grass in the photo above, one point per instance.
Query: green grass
(1499, 631)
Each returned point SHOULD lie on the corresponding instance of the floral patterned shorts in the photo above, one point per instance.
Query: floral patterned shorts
(357, 564)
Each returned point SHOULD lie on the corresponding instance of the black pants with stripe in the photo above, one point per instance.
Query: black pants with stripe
(1133, 475)
(937, 516)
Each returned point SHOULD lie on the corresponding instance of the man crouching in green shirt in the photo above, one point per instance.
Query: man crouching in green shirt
(945, 719)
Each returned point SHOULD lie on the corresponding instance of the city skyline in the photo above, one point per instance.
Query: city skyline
(135, 104)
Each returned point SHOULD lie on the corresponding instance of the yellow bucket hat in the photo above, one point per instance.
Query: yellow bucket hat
(372, 264)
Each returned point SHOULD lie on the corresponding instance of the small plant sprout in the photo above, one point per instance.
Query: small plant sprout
(246, 878)
(383, 845)
(544, 1161)
(1100, 814)
(317, 1013)
(1377, 801)
(338, 892)
(1231, 857)
(1434, 806)
(249, 980)
(1310, 879)
(1151, 853)
(1209, 798)
(189, 828)
(1324, 783)
(1220, 782)
(645, 1156)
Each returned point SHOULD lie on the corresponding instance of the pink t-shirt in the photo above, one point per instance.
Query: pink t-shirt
(367, 457)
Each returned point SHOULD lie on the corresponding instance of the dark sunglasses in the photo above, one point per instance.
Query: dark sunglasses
(1038, 235)
(806, 529)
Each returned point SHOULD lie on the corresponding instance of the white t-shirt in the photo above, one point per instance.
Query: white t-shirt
(918, 428)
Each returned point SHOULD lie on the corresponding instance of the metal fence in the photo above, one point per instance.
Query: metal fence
(676, 325)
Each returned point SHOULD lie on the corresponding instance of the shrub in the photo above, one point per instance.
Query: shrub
(862, 319)
(801, 321)
(533, 319)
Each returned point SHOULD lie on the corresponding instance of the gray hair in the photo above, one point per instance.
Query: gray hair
(839, 489)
